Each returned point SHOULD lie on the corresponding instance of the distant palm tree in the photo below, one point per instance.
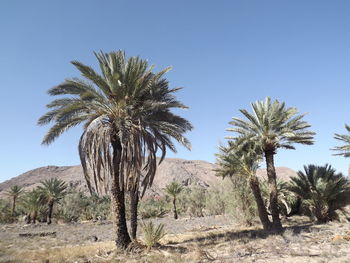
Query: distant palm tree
(32, 201)
(345, 149)
(128, 119)
(174, 189)
(53, 190)
(235, 160)
(272, 126)
(14, 193)
(322, 190)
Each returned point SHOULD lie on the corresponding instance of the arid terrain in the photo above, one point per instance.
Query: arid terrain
(187, 172)
(188, 239)
(206, 239)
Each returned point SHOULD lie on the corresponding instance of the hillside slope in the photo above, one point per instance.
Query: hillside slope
(187, 172)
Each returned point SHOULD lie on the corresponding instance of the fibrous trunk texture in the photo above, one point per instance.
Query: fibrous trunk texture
(134, 201)
(13, 205)
(264, 218)
(49, 216)
(175, 210)
(118, 202)
(271, 175)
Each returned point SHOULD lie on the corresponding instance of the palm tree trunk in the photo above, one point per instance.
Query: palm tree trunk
(13, 206)
(118, 202)
(28, 218)
(49, 215)
(264, 218)
(35, 214)
(175, 210)
(134, 201)
(271, 175)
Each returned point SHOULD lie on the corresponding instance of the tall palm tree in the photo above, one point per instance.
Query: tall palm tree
(174, 189)
(322, 190)
(126, 111)
(271, 126)
(53, 190)
(235, 160)
(345, 149)
(14, 193)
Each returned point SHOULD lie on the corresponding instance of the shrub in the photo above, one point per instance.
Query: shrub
(216, 201)
(153, 207)
(322, 190)
(220, 199)
(6, 216)
(72, 207)
(97, 208)
(192, 201)
(152, 234)
(243, 206)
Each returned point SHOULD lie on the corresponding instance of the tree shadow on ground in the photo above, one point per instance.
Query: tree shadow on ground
(170, 248)
(244, 235)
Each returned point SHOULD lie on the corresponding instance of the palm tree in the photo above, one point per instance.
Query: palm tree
(345, 149)
(174, 189)
(128, 119)
(32, 202)
(272, 126)
(322, 190)
(235, 160)
(14, 193)
(53, 190)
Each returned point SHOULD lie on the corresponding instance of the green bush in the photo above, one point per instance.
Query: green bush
(152, 234)
(153, 207)
(322, 191)
(72, 207)
(242, 206)
(192, 201)
(217, 201)
(5, 212)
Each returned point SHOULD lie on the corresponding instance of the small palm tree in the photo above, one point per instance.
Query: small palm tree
(53, 190)
(322, 190)
(127, 115)
(235, 160)
(345, 149)
(174, 189)
(152, 234)
(32, 201)
(272, 126)
(14, 193)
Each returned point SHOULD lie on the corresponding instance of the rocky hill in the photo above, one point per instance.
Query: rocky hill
(185, 171)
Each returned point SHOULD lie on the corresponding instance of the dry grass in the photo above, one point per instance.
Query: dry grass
(82, 253)
(300, 242)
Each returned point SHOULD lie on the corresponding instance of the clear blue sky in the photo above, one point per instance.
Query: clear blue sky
(226, 53)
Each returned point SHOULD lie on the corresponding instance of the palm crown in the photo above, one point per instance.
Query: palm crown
(128, 106)
(53, 189)
(236, 159)
(272, 126)
(15, 191)
(323, 189)
(174, 189)
(345, 149)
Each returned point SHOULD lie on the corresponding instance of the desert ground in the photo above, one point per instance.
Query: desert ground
(206, 239)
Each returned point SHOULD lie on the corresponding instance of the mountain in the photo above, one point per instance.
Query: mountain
(185, 171)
